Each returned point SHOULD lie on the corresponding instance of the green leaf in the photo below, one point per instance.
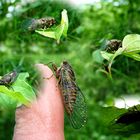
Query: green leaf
(106, 55)
(110, 57)
(23, 76)
(14, 95)
(118, 52)
(60, 30)
(7, 102)
(111, 114)
(64, 22)
(97, 57)
(126, 129)
(134, 56)
(131, 43)
(20, 85)
(49, 33)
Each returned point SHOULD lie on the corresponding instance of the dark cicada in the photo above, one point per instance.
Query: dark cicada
(73, 98)
(129, 118)
(113, 45)
(34, 24)
(132, 116)
(9, 78)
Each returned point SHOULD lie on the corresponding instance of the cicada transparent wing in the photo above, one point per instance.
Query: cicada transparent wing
(79, 115)
(29, 24)
(75, 106)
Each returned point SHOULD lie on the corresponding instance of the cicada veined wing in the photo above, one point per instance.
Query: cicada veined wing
(78, 117)
(73, 98)
(29, 24)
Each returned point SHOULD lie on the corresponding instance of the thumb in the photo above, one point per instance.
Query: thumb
(44, 119)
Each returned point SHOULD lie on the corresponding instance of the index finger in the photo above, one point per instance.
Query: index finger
(44, 119)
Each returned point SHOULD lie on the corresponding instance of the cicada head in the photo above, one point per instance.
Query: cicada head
(65, 62)
(66, 65)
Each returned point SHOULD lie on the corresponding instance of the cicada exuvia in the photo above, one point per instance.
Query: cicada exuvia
(9, 78)
(73, 98)
(32, 24)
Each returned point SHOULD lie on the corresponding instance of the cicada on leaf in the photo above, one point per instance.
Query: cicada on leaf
(130, 117)
(113, 45)
(73, 98)
(9, 78)
(33, 24)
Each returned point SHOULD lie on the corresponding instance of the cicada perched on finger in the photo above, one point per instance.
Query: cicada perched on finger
(73, 98)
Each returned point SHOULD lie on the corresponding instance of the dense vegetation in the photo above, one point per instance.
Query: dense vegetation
(89, 28)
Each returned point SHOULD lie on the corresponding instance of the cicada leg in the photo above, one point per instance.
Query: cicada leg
(48, 78)
(58, 82)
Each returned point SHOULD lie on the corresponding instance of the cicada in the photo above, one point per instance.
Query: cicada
(113, 45)
(32, 24)
(9, 78)
(132, 116)
(73, 98)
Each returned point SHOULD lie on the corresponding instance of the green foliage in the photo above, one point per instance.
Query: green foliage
(89, 29)
(111, 114)
(130, 48)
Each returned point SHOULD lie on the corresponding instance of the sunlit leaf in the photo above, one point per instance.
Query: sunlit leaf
(106, 55)
(134, 56)
(14, 95)
(23, 87)
(49, 33)
(64, 22)
(131, 43)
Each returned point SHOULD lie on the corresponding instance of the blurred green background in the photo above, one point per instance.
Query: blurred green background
(89, 27)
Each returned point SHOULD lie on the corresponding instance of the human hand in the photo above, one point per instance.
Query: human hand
(44, 119)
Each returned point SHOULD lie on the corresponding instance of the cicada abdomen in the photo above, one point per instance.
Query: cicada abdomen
(34, 24)
(73, 98)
